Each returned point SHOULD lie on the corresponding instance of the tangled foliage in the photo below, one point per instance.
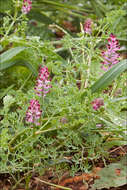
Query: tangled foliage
(75, 120)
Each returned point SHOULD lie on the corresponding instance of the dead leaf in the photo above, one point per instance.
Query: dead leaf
(118, 171)
(114, 175)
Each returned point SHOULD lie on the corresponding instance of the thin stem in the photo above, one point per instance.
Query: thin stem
(88, 71)
(82, 69)
(51, 184)
(45, 124)
(18, 182)
(12, 141)
(73, 55)
(44, 131)
(34, 133)
(18, 145)
(25, 81)
(60, 28)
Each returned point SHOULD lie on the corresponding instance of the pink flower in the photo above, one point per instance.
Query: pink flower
(33, 113)
(43, 83)
(26, 6)
(110, 56)
(97, 103)
(87, 26)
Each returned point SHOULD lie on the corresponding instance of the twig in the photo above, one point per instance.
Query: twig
(51, 184)
(118, 149)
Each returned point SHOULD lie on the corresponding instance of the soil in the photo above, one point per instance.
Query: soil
(81, 181)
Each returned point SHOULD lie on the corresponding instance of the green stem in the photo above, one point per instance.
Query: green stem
(13, 140)
(88, 71)
(29, 137)
(45, 123)
(73, 55)
(18, 145)
(11, 25)
(60, 28)
(34, 133)
(82, 75)
(25, 81)
(44, 131)
(23, 178)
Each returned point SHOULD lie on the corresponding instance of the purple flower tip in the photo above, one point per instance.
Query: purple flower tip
(26, 6)
(110, 56)
(97, 103)
(87, 26)
(43, 82)
(33, 113)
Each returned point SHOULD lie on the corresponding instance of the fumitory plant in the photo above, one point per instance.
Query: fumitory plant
(58, 101)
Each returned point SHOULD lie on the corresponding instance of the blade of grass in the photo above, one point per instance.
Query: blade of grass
(6, 91)
(109, 76)
(9, 54)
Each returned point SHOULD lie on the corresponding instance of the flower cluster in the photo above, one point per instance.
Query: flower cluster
(87, 26)
(42, 87)
(97, 103)
(26, 6)
(43, 83)
(110, 56)
(33, 113)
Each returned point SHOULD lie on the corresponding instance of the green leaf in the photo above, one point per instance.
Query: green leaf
(113, 175)
(30, 67)
(97, 8)
(8, 100)
(119, 142)
(63, 5)
(117, 120)
(5, 5)
(109, 76)
(122, 39)
(19, 62)
(6, 91)
(40, 17)
(9, 54)
(6, 65)
(119, 99)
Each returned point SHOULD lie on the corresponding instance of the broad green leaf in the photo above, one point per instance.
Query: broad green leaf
(6, 65)
(109, 76)
(56, 4)
(9, 54)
